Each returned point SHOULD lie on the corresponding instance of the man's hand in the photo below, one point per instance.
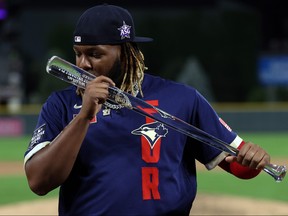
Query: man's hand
(96, 93)
(251, 155)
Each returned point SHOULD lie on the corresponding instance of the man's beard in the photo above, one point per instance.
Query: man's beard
(116, 74)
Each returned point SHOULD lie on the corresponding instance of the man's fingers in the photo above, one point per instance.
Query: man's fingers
(230, 159)
(250, 155)
(253, 156)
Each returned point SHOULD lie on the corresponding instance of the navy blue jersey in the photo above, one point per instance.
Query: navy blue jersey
(129, 164)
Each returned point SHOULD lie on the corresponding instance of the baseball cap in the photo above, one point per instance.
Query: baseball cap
(106, 24)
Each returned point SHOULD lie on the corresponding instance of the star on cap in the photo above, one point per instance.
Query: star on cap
(124, 31)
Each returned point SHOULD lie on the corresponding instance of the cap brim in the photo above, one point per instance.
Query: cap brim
(142, 39)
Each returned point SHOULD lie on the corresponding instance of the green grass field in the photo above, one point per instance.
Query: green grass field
(13, 148)
(14, 188)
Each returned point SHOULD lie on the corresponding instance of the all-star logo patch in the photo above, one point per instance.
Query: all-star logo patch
(38, 134)
(124, 31)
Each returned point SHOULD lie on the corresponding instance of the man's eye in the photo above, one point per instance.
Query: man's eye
(96, 55)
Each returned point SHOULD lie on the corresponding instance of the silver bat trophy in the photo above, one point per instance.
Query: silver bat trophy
(72, 74)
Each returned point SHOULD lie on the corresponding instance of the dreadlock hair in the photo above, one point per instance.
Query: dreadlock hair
(132, 68)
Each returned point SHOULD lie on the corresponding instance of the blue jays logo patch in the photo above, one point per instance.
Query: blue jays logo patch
(152, 132)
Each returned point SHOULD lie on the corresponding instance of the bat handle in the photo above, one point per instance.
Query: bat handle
(276, 171)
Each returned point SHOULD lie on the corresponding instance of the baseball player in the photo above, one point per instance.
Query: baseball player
(109, 160)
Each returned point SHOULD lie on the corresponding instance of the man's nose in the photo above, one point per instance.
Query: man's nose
(84, 63)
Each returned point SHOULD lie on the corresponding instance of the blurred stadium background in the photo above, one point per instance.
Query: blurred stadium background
(235, 52)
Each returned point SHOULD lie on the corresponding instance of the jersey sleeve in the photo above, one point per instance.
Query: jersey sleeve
(48, 126)
(206, 119)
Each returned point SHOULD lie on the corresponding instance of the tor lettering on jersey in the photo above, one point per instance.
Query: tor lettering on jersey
(151, 134)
